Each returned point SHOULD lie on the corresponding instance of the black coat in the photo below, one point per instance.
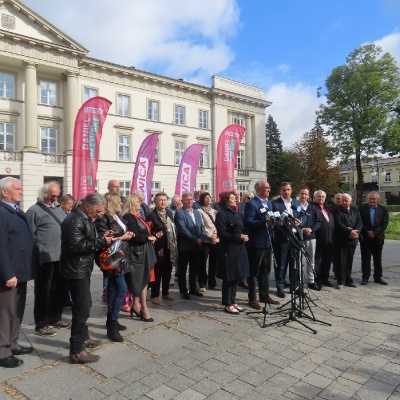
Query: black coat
(380, 223)
(324, 234)
(79, 242)
(19, 255)
(233, 263)
(344, 224)
(157, 225)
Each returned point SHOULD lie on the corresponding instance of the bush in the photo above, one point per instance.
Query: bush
(393, 200)
(394, 208)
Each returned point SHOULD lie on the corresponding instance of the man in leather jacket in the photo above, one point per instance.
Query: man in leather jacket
(79, 242)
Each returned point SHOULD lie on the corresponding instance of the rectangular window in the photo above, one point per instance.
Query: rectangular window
(48, 137)
(6, 86)
(180, 148)
(237, 121)
(6, 136)
(123, 105)
(203, 119)
(179, 115)
(152, 110)
(204, 157)
(388, 177)
(88, 93)
(125, 188)
(156, 156)
(240, 160)
(205, 186)
(156, 187)
(124, 145)
(374, 178)
(48, 93)
(242, 189)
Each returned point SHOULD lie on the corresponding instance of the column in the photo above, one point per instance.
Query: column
(249, 143)
(72, 109)
(31, 99)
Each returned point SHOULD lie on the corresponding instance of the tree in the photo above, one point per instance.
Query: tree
(275, 160)
(309, 163)
(362, 96)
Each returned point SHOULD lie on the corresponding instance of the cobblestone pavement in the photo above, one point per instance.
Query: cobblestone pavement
(194, 350)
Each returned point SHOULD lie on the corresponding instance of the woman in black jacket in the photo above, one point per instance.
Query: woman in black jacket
(233, 265)
(116, 281)
(143, 256)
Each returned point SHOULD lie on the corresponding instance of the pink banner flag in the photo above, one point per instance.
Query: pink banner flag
(144, 167)
(227, 150)
(87, 135)
(187, 173)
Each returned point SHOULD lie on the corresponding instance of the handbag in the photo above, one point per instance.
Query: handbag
(112, 257)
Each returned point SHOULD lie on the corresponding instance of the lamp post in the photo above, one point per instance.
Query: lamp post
(375, 172)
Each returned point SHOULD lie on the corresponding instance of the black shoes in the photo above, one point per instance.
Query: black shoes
(364, 282)
(10, 362)
(195, 292)
(327, 283)
(381, 281)
(314, 286)
(22, 350)
(281, 293)
(113, 332)
(142, 318)
(185, 296)
(351, 285)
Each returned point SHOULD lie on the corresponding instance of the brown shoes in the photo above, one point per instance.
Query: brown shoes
(254, 304)
(92, 343)
(83, 357)
(269, 300)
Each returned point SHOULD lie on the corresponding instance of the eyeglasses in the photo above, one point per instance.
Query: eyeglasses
(248, 197)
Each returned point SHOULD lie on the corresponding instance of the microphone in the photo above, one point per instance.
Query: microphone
(286, 215)
(300, 210)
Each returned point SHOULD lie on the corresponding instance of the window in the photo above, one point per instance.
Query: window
(179, 150)
(237, 121)
(48, 93)
(156, 187)
(6, 86)
(88, 93)
(242, 189)
(374, 178)
(205, 186)
(48, 137)
(152, 110)
(124, 144)
(203, 119)
(124, 188)
(204, 157)
(6, 136)
(156, 157)
(123, 105)
(388, 177)
(240, 160)
(179, 115)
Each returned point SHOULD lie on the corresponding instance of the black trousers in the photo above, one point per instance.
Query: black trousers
(260, 269)
(162, 273)
(12, 307)
(209, 252)
(344, 264)
(229, 289)
(371, 247)
(323, 260)
(49, 295)
(81, 304)
(192, 258)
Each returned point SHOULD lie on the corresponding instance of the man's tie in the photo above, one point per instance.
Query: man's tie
(324, 213)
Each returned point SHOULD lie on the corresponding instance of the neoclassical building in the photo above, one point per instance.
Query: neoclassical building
(45, 76)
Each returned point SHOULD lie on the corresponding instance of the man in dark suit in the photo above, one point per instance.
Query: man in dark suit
(18, 264)
(345, 235)
(191, 234)
(259, 244)
(324, 236)
(375, 219)
(282, 245)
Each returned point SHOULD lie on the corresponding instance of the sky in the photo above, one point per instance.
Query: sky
(287, 48)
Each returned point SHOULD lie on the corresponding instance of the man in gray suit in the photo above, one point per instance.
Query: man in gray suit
(191, 234)
(18, 262)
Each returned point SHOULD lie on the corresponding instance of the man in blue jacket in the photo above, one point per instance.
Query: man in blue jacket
(259, 244)
(18, 263)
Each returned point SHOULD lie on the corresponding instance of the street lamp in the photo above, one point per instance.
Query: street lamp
(375, 173)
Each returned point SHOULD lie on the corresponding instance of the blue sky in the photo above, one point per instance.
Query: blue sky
(288, 48)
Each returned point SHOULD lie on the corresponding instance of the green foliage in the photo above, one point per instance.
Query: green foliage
(362, 99)
(393, 230)
(275, 158)
(393, 200)
(392, 208)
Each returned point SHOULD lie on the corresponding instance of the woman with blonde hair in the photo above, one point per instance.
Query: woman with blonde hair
(143, 256)
(246, 197)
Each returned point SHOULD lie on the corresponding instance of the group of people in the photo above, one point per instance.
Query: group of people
(57, 241)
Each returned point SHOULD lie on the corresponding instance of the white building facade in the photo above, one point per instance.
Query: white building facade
(45, 76)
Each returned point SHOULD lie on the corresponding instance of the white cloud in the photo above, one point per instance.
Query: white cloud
(391, 44)
(293, 109)
(170, 37)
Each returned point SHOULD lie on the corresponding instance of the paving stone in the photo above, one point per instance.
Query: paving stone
(222, 377)
(190, 394)
(356, 374)
(154, 380)
(180, 383)
(91, 394)
(340, 389)
(65, 381)
(135, 390)
(111, 386)
(375, 390)
(222, 395)
(317, 380)
(116, 396)
(162, 392)
(132, 375)
(197, 327)
(4, 396)
(197, 373)
(305, 389)
(206, 387)
(338, 363)
(387, 377)
(270, 390)
(170, 371)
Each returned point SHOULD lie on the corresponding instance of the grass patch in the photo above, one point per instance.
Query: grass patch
(393, 229)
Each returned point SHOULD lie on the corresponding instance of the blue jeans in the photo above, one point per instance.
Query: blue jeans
(116, 292)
